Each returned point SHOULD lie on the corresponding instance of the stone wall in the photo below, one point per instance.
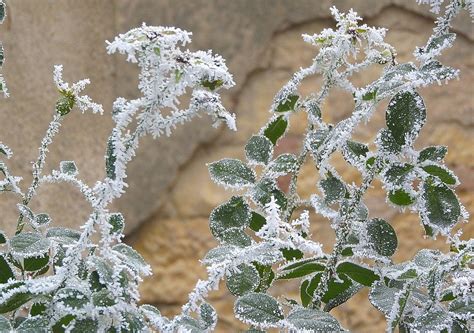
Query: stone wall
(167, 211)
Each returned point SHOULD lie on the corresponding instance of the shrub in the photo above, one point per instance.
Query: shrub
(58, 279)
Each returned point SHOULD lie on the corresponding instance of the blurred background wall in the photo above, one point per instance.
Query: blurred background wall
(170, 194)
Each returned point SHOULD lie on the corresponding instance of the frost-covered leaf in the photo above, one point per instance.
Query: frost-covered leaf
(266, 276)
(231, 173)
(5, 150)
(236, 236)
(5, 325)
(276, 128)
(131, 257)
(218, 254)
(18, 295)
(282, 165)
(26, 212)
(314, 112)
(300, 268)
(354, 152)
(291, 253)
(259, 149)
(264, 190)
(434, 71)
(288, 104)
(440, 41)
(110, 159)
(190, 324)
(35, 324)
(32, 264)
(29, 244)
(71, 298)
(42, 219)
(243, 281)
(65, 103)
(442, 173)
(433, 320)
(382, 237)
(68, 168)
(85, 325)
(235, 213)
(208, 316)
(400, 197)
(406, 114)
(441, 206)
(103, 298)
(358, 273)
(3, 237)
(462, 308)
(258, 309)
(337, 296)
(312, 320)
(383, 297)
(316, 139)
(257, 221)
(398, 174)
(212, 85)
(433, 153)
(2, 11)
(6, 272)
(386, 142)
(117, 223)
(102, 268)
(333, 188)
(63, 235)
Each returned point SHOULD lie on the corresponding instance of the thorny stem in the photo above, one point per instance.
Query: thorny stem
(53, 128)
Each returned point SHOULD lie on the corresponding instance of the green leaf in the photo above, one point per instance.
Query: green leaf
(257, 221)
(26, 212)
(3, 237)
(117, 223)
(42, 219)
(386, 142)
(398, 174)
(18, 295)
(312, 320)
(316, 139)
(131, 258)
(65, 103)
(70, 298)
(68, 168)
(218, 254)
(236, 236)
(462, 307)
(354, 152)
(400, 197)
(190, 324)
(35, 324)
(38, 308)
(282, 165)
(298, 270)
(5, 325)
(59, 326)
(103, 298)
(433, 153)
(288, 104)
(275, 129)
(235, 213)
(32, 264)
(258, 309)
(151, 312)
(370, 95)
(208, 316)
(244, 281)
(443, 174)
(231, 173)
(212, 85)
(2, 12)
(357, 273)
(29, 244)
(259, 149)
(85, 325)
(266, 276)
(433, 320)
(291, 254)
(314, 111)
(263, 191)
(333, 188)
(441, 205)
(110, 159)
(337, 296)
(6, 272)
(63, 235)
(437, 42)
(405, 116)
(103, 269)
(382, 237)
(383, 297)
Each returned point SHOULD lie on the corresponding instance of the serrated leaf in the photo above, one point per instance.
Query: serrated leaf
(257, 221)
(316, 139)
(131, 257)
(85, 325)
(103, 298)
(382, 297)
(335, 298)
(314, 110)
(231, 173)
(37, 324)
(258, 309)
(438, 42)
(433, 153)
(68, 168)
(103, 270)
(333, 189)
(33, 264)
(288, 104)
(28, 244)
(42, 219)
(382, 237)
(433, 320)
(275, 129)
(259, 149)
(442, 173)
(354, 152)
(401, 197)
(358, 273)
(236, 236)
(462, 307)
(405, 116)
(6, 272)
(398, 174)
(312, 320)
(297, 270)
(17, 296)
(442, 208)
(235, 213)
(219, 254)
(266, 276)
(386, 142)
(71, 298)
(208, 316)
(291, 254)
(282, 165)
(243, 281)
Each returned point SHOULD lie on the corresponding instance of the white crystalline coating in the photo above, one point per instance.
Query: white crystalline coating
(271, 229)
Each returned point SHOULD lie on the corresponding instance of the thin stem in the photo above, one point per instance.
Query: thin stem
(53, 128)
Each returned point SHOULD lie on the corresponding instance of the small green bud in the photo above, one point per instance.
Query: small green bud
(65, 103)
